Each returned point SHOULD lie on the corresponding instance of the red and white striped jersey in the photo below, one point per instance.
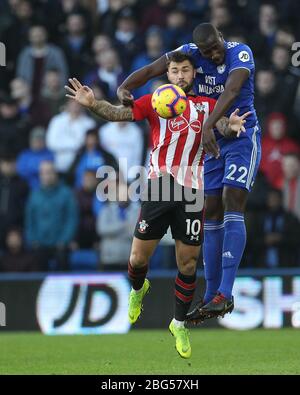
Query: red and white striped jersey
(176, 142)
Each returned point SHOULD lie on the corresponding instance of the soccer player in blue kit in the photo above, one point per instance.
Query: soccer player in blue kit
(225, 71)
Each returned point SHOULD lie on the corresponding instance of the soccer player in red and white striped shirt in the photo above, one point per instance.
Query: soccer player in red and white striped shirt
(177, 161)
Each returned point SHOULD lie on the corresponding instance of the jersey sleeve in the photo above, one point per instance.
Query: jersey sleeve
(185, 48)
(142, 108)
(241, 57)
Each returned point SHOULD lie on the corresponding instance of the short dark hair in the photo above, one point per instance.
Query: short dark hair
(204, 32)
(179, 57)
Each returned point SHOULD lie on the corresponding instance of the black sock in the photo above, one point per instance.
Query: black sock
(137, 276)
(184, 292)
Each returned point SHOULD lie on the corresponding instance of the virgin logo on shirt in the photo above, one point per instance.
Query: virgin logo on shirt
(180, 124)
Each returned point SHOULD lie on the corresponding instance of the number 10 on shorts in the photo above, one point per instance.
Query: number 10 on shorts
(193, 227)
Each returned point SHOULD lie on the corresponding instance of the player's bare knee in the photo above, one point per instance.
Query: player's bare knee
(138, 259)
(235, 199)
(214, 209)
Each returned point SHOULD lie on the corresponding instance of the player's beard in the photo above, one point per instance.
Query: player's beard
(188, 87)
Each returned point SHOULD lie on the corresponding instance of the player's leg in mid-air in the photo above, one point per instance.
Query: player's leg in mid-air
(141, 252)
(186, 227)
(152, 224)
(185, 284)
(225, 236)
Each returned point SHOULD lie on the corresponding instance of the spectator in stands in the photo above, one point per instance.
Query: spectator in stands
(176, 33)
(125, 141)
(76, 46)
(284, 37)
(273, 235)
(13, 194)
(86, 234)
(51, 218)
(13, 130)
(115, 226)
(108, 20)
(35, 59)
(275, 144)
(90, 157)
(28, 162)
(258, 195)
(156, 14)
(267, 97)
(287, 78)
(35, 111)
(16, 258)
(57, 12)
(15, 28)
(127, 38)
(53, 92)
(194, 9)
(221, 17)
(154, 49)
(108, 71)
(291, 183)
(263, 37)
(66, 133)
(101, 43)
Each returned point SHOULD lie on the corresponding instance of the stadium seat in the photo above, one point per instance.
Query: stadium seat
(84, 260)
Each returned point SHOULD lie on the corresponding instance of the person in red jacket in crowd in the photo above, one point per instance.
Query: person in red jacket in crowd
(275, 144)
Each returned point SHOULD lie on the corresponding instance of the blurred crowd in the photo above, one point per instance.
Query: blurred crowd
(51, 148)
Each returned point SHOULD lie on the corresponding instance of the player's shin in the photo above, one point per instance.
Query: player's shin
(184, 292)
(212, 257)
(233, 248)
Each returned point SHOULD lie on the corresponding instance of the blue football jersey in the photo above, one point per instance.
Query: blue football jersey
(211, 78)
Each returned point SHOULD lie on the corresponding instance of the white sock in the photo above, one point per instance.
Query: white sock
(179, 324)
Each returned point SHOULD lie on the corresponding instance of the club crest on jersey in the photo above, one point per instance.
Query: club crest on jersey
(143, 226)
(179, 124)
(221, 68)
(200, 107)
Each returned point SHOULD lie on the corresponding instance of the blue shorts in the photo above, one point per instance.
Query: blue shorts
(237, 165)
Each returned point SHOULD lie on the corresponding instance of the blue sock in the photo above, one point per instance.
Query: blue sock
(212, 254)
(233, 248)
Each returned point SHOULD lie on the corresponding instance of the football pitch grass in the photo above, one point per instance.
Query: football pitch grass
(152, 352)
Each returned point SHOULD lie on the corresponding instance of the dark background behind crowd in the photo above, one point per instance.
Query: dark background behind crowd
(51, 149)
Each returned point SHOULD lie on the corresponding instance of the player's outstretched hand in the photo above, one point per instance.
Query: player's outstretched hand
(236, 122)
(209, 142)
(125, 97)
(81, 93)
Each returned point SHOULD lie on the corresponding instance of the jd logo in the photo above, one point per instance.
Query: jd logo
(244, 56)
(2, 54)
(83, 304)
(2, 314)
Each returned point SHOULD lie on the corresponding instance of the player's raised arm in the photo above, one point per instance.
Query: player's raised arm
(233, 86)
(105, 110)
(234, 125)
(139, 78)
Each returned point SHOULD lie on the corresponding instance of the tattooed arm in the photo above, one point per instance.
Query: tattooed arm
(223, 127)
(85, 96)
(232, 126)
(109, 112)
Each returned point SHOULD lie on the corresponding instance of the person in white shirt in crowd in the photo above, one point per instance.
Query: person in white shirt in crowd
(66, 134)
(124, 140)
(115, 225)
